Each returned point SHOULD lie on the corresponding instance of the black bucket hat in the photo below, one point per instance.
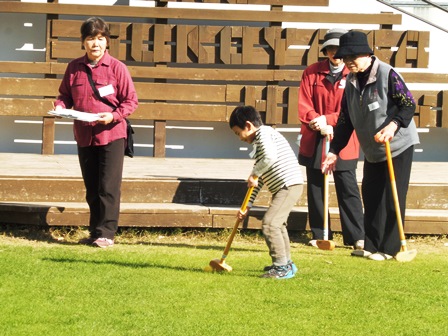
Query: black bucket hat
(332, 36)
(353, 43)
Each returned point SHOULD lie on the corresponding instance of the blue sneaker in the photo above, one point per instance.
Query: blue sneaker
(290, 262)
(279, 272)
(293, 267)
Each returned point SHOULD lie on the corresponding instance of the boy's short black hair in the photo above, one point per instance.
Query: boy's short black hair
(241, 114)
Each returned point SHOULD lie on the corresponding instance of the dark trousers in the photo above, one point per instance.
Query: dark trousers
(102, 170)
(349, 202)
(379, 211)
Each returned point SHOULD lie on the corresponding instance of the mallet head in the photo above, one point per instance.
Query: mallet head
(405, 256)
(219, 266)
(328, 245)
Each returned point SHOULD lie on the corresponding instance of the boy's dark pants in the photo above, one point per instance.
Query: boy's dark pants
(102, 170)
(274, 223)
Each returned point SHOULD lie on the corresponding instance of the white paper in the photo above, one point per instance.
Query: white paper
(72, 114)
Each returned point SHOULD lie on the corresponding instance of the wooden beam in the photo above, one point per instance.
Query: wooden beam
(193, 74)
(195, 14)
(159, 138)
(48, 131)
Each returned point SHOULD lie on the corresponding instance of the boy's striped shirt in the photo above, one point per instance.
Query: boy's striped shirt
(276, 164)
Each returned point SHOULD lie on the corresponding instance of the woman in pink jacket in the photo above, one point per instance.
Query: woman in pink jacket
(320, 95)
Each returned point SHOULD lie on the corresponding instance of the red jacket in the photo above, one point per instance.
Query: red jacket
(317, 96)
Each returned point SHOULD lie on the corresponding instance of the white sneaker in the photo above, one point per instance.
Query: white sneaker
(380, 256)
(103, 242)
(313, 243)
(361, 253)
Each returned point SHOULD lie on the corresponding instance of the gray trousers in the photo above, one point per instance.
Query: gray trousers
(275, 222)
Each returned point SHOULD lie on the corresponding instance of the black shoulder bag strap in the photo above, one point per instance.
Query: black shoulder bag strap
(95, 90)
(129, 150)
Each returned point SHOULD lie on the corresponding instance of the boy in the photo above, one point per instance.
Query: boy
(277, 167)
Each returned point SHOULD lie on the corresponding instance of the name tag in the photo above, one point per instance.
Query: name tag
(342, 84)
(106, 90)
(374, 106)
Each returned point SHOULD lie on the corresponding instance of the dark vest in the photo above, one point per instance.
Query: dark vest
(371, 110)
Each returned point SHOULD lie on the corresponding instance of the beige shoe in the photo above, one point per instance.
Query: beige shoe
(359, 245)
(380, 256)
(361, 253)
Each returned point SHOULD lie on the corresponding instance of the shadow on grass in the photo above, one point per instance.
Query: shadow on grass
(70, 236)
(248, 273)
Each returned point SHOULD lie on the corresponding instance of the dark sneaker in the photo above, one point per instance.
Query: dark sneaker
(279, 272)
(290, 262)
(86, 241)
(103, 242)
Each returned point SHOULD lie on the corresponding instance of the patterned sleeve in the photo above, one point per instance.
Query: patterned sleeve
(402, 98)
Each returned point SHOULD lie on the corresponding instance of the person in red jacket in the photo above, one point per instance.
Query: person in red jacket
(320, 94)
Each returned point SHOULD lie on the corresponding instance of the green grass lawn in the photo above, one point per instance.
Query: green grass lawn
(156, 286)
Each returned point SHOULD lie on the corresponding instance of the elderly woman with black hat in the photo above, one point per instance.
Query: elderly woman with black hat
(379, 107)
(320, 95)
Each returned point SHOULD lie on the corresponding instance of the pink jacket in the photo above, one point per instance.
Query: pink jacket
(317, 96)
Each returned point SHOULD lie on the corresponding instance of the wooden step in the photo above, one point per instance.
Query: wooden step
(150, 215)
(203, 191)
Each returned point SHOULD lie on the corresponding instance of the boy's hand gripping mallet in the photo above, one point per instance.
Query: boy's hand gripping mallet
(404, 254)
(220, 265)
(326, 244)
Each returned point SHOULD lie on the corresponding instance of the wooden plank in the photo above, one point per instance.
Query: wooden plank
(445, 109)
(248, 43)
(388, 38)
(423, 55)
(159, 138)
(160, 91)
(250, 96)
(180, 112)
(272, 116)
(182, 43)
(197, 74)
(280, 52)
(161, 51)
(314, 50)
(422, 77)
(25, 107)
(137, 42)
(29, 86)
(203, 14)
(179, 92)
(25, 67)
(293, 105)
(430, 100)
(428, 117)
(400, 55)
(266, 2)
(225, 39)
(48, 132)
